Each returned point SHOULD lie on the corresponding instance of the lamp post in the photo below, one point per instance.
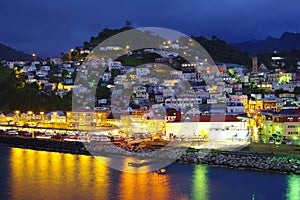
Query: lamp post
(126, 49)
(34, 56)
(29, 114)
(42, 118)
(17, 115)
(54, 120)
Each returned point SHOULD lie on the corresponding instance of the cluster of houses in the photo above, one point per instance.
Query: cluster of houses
(169, 94)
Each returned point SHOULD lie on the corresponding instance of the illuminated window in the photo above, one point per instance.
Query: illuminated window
(290, 119)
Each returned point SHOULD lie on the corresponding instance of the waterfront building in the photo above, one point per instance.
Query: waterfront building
(53, 117)
(212, 127)
(86, 117)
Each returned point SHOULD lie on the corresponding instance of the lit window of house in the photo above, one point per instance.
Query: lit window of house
(290, 119)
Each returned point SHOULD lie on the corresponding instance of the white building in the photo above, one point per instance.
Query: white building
(214, 128)
(142, 71)
(168, 92)
(235, 107)
(41, 73)
(29, 69)
(289, 87)
(114, 65)
(212, 101)
(106, 76)
(183, 102)
(193, 112)
(45, 68)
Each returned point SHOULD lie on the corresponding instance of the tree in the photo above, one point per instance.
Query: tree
(280, 91)
(297, 90)
(115, 72)
(128, 24)
(28, 97)
(214, 37)
(103, 92)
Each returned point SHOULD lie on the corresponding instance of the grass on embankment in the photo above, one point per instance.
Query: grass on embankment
(273, 149)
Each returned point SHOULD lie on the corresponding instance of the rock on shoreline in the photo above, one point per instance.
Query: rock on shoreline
(269, 163)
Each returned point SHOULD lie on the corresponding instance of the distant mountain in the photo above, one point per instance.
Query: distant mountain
(7, 53)
(287, 42)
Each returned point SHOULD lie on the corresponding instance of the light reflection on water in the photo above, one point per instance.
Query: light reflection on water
(36, 175)
(293, 189)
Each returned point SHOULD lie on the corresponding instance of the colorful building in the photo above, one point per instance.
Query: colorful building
(282, 123)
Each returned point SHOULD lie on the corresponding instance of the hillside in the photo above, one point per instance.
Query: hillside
(219, 50)
(287, 42)
(7, 53)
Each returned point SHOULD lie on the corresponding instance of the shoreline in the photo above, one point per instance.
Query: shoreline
(229, 159)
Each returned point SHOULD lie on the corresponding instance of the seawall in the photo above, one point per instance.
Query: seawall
(261, 162)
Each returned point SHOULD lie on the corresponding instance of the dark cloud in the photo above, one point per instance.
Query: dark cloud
(50, 27)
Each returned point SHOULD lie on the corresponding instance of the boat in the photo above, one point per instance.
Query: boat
(161, 171)
(140, 164)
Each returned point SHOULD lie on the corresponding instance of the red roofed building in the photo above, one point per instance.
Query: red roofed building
(214, 118)
(213, 127)
(284, 123)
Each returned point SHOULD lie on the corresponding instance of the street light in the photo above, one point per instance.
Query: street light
(17, 115)
(54, 117)
(126, 49)
(29, 113)
(42, 117)
(34, 56)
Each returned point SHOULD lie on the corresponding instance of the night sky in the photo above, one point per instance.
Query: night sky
(50, 27)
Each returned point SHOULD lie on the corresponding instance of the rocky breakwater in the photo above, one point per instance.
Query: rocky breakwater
(139, 151)
(262, 162)
(270, 163)
(45, 144)
(94, 148)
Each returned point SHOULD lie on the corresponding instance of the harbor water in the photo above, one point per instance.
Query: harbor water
(35, 175)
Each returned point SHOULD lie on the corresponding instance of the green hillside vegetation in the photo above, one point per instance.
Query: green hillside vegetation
(16, 95)
(219, 50)
(290, 59)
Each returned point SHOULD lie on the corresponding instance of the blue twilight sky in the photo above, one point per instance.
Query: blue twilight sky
(50, 27)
